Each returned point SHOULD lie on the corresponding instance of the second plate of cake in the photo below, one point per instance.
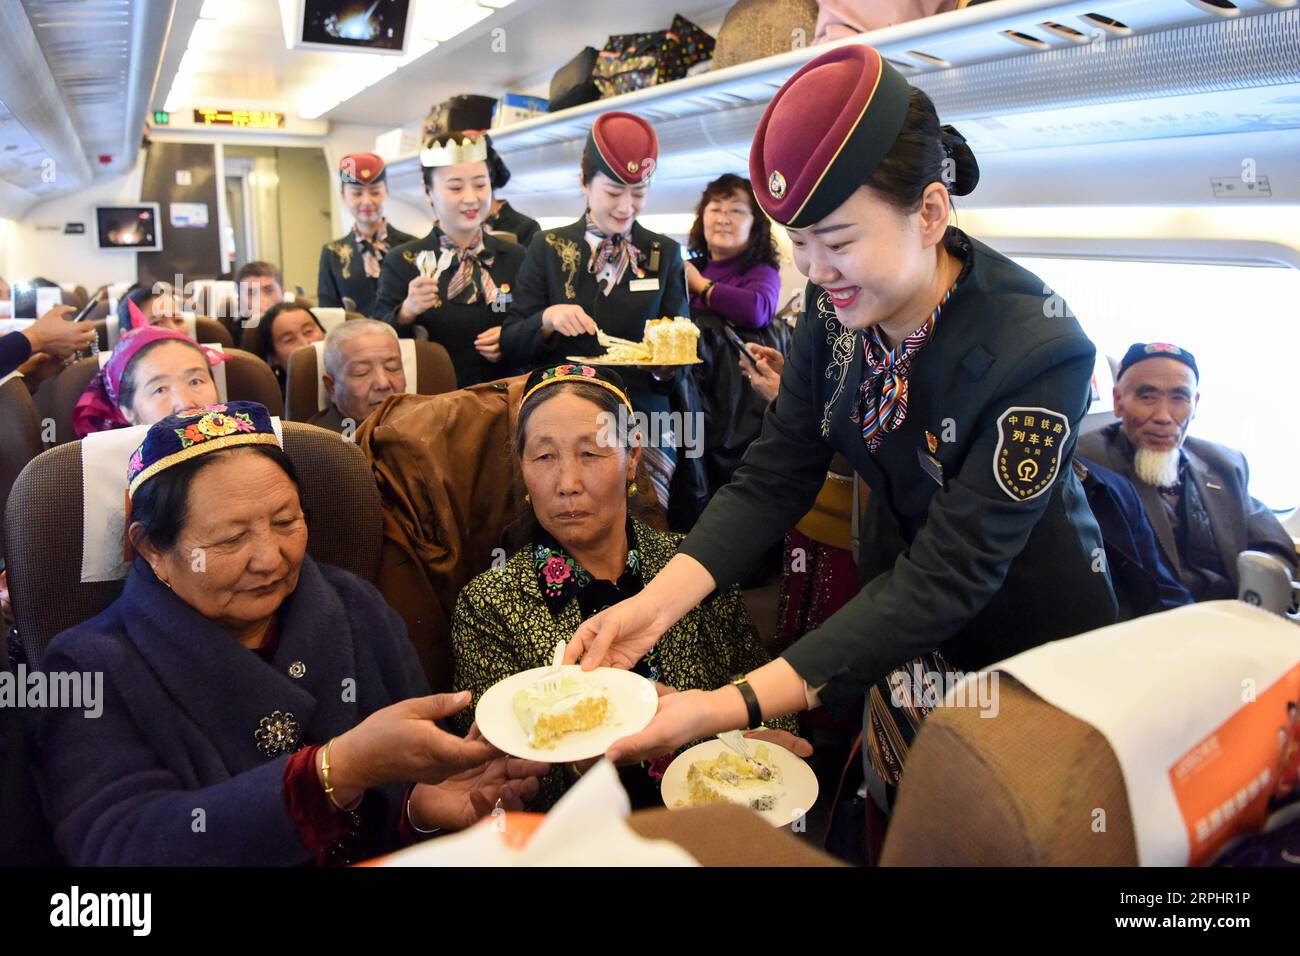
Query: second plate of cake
(777, 784)
(560, 717)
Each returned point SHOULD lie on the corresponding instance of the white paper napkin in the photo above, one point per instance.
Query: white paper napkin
(588, 827)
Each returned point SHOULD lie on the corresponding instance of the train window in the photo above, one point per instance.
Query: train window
(1239, 323)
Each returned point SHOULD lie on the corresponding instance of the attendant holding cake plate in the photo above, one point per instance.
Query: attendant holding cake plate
(581, 548)
(951, 379)
(607, 272)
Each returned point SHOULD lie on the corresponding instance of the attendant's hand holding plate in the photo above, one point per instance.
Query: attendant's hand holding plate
(631, 703)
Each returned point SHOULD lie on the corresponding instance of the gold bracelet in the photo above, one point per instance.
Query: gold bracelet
(325, 782)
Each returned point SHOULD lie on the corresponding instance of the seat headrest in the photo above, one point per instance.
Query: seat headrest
(1169, 692)
(115, 331)
(409, 370)
(329, 317)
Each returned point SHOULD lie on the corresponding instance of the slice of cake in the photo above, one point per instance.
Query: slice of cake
(672, 341)
(547, 712)
(753, 782)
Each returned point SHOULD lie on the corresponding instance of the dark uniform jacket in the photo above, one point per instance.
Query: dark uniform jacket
(1144, 582)
(555, 273)
(1221, 478)
(512, 225)
(983, 547)
(343, 272)
(453, 325)
(182, 701)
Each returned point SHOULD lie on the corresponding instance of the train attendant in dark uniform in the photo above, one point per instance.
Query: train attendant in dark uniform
(349, 267)
(455, 282)
(606, 271)
(951, 379)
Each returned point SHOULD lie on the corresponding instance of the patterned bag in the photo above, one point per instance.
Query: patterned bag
(757, 28)
(633, 61)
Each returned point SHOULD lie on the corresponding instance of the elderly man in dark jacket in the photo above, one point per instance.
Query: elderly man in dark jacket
(1144, 582)
(1195, 492)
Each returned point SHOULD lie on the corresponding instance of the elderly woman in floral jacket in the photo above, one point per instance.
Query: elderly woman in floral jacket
(584, 551)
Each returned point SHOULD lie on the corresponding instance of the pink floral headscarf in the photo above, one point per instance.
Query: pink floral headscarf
(97, 409)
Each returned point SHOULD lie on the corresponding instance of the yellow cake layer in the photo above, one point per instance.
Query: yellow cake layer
(586, 714)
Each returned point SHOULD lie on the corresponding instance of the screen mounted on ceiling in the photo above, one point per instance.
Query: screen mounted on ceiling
(375, 26)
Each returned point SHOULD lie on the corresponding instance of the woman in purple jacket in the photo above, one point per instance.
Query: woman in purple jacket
(734, 270)
(734, 285)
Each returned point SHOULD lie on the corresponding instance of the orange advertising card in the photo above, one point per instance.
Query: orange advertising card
(1223, 784)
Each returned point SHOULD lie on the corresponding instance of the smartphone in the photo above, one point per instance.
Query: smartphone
(81, 315)
(85, 310)
(736, 340)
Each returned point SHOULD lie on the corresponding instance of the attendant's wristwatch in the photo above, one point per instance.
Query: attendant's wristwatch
(741, 684)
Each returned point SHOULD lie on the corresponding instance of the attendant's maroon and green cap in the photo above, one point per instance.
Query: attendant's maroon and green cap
(825, 131)
(362, 169)
(624, 147)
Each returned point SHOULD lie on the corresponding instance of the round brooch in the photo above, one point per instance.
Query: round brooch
(776, 184)
(632, 165)
(277, 734)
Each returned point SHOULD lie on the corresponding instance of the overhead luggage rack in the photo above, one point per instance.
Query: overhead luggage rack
(1016, 73)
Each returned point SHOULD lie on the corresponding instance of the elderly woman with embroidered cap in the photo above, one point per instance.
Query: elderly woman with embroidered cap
(607, 272)
(152, 373)
(582, 548)
(456, 281)
(953, 383)
(349, 267)
(259, 708)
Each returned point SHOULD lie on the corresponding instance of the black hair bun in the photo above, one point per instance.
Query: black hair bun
(498, 172)
(965, 170)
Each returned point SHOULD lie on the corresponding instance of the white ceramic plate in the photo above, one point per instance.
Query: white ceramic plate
(800, 781)
(632, 702)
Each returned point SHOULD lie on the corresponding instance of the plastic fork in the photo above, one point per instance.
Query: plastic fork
(735, 740)
(549, 683)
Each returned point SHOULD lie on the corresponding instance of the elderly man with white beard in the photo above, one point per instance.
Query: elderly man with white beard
(1195, 492)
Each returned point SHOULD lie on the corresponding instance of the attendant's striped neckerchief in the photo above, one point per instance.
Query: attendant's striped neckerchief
(472, 271)
(617, 253)
(882, 400)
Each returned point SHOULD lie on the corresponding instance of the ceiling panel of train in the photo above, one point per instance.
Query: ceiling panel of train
(1062, 78)
(74, 84)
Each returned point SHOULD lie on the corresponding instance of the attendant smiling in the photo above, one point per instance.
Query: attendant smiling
(606, 271)
(349, 267)
(952, 381)
(456, 281)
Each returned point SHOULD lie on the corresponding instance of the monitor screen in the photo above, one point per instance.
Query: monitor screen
(378, 26)
(129, 227)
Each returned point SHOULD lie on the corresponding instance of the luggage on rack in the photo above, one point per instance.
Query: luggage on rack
(633, 61)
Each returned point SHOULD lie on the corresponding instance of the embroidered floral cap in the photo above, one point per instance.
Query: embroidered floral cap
(600, 377)
(185, 435)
